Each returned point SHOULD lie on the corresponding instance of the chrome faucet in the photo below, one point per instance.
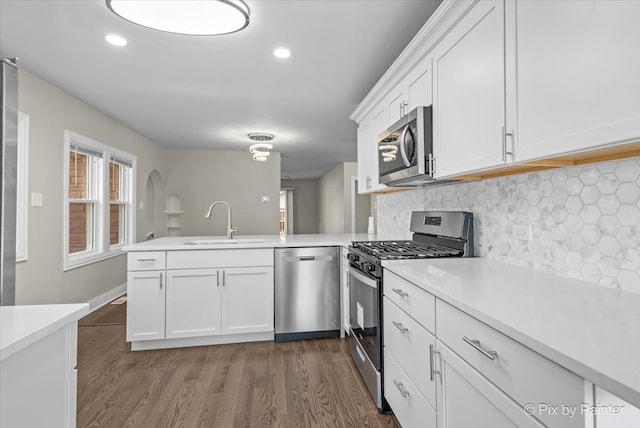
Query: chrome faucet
(230, 230)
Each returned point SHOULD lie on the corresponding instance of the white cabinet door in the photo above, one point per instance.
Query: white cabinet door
(344, 287)
(418, 85)
(613, 412)
(468, 93)
(145, 307)
(193, 303)
(371, 126)
(247, 300)
(397, 105)
(574, 73)
(467, 399)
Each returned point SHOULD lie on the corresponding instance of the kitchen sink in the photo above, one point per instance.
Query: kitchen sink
(223, 241)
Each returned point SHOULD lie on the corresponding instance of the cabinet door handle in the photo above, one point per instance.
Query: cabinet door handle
(478, 347)
(401, 388)
(431, 165)
(401, 109)
(161, 277)
(400, 292)
(147, 260)
(404, 108)
(217, 278)
(432, 369)
(224, 279)
(505, 134)
(400, 327)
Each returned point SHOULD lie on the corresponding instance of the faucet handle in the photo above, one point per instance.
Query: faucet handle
(233, 230)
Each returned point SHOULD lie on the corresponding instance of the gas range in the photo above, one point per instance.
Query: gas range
(435, 234)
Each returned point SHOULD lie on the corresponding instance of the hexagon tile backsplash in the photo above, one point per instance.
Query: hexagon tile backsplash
(585, 219)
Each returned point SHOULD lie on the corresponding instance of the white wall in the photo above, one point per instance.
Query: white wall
(334, 189)
(41, 279)
(200, 177)
(305, 205)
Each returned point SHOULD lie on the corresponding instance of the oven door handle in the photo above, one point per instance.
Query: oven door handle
(365, 280)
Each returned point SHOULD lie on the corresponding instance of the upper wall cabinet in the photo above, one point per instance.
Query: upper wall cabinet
(370, 127)
(573, 74)
(413, 91)
(468, 93)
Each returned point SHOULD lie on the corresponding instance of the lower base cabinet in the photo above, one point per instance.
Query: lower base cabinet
(38, 385)
(408, 404)
(247, 300)
(467, 399)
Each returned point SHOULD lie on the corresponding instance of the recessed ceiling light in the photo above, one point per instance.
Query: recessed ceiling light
(116, 40)
(282, 53)
(190, 17)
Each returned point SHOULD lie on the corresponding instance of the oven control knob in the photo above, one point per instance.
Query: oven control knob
(354, 257)
(367, 267)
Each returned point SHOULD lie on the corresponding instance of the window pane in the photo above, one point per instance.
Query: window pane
(80, 227)
(117, 224)
(115, 179)
(78, 175)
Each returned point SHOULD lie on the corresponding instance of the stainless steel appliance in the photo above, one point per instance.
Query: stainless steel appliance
(405, 151)
(8, 166)
(307, 287)
(435, 234)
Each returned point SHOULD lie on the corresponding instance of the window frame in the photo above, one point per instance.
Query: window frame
(22, 190)
(102, 249)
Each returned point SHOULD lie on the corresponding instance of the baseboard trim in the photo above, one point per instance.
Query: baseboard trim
(106, 297)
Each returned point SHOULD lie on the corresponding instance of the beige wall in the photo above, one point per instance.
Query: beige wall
(305, 205)
(200, 177)
(331, 201)
(41, 278)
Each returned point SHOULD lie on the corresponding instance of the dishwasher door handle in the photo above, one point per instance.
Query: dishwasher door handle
(305, 258)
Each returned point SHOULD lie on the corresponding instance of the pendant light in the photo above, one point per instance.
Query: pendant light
(189, 17)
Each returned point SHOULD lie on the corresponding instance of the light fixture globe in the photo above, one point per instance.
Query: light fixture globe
(189, 17)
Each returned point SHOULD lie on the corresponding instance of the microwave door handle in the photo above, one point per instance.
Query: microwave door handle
(403, 151)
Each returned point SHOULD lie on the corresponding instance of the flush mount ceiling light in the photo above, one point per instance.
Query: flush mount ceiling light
(190, 17)
(260, 136)
(116, 40)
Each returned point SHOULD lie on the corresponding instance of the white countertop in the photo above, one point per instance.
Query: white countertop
(21, 326)
(591, 330)
(269, 241)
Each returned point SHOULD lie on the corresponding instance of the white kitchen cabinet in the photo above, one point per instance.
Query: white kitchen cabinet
(469, 93)
(146, 294)
(572, 76)
(247, 300)
(414, 90)
(368, 171)
(613, 412)
(192, 303)
(467, 399)
(344, 289)
(38, 384)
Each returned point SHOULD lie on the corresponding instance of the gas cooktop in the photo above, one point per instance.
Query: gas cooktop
(395, 250)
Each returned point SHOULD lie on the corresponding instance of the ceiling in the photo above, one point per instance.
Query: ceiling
(198, 92)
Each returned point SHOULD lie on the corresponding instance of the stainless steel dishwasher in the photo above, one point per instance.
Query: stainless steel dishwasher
(307, 288)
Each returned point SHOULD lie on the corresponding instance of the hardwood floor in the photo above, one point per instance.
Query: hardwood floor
(310, 383)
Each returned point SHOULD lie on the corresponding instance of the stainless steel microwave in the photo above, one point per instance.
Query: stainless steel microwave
(405, 150)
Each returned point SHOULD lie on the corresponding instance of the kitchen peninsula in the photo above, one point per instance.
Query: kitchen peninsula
(191, 291)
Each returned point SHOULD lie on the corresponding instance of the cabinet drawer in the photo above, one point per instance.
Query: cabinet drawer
(145, 260)
(524, 375)
(409, 406)
(411, 299)
(202, 259)
(409, 343)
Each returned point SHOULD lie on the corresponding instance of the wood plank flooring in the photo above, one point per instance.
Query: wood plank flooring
(310, 383)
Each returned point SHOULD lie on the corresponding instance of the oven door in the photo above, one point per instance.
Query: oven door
(364, 313)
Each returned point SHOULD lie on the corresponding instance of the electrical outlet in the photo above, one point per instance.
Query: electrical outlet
(522, 232)
(36, 199)
(266, 199)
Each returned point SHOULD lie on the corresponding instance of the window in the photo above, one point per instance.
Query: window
(99, 191)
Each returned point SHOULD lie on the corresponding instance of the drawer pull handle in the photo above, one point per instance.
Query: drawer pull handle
(432, 371)
(478, 347)
(147, 260)
(401, 388)
(400, 327)
(400, 292)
